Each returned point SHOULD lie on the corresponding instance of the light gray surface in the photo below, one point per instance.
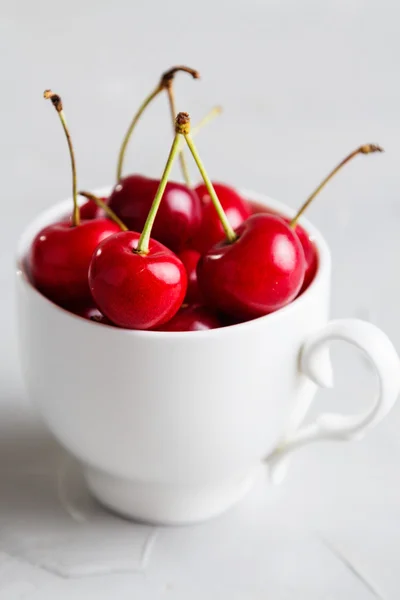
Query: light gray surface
(302, 83)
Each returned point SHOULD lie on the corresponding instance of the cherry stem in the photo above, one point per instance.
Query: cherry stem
(132, 126)
(214, 112)
(183, 127)
(109, 211)
(165, 83)
(182, 160)
(365, 149)
(144, 240)
(57, 103)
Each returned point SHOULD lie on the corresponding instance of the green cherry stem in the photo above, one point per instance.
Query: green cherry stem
(167, 80)
(365, 149)
(183, 127)
(165, 83)
(132, 126)
(57, 103)
(214, 112)
(210, 116)
(109, 211)
(144, 240)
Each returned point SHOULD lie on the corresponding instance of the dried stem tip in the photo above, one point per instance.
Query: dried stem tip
(168, 76)
(368, 148)
(182, 123)
(56, 100)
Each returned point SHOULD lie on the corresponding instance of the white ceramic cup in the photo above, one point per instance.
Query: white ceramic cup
(172, 427)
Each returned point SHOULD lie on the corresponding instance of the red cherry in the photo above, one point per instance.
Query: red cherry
(192, 318)
(310, 251)
(59, 259)
(190, 258)
(135, 290)
(260, 272)
(60, 254)
(211, 230)
(309, 248)
(177, 219)
(257, 268)
(136, 281)
(310, 255)
(89, 210)
(260, 267)
(91, 313)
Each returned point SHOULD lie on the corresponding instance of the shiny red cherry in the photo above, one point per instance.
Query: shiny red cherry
(89, 210)
(260, 272)
(178, 216)
(135, 290)
(60, 254)
(192, 318)
(309, 248)
(190, 258)
(211, 231)
(59, 259)
(310, 255)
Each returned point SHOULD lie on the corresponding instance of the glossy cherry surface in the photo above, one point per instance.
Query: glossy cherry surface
(310, 256)
(310, 251)
(211, 231)
(190, 259)
(192, 318)
(178, 217)
(89, 210)
(262, 271)
(136, 291)
(59, 259)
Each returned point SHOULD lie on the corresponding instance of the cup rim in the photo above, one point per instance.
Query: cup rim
(51, 214)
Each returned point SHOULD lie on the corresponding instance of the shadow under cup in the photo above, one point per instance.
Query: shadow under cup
(170, 427)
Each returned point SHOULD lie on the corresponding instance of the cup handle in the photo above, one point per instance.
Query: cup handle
(315, 364)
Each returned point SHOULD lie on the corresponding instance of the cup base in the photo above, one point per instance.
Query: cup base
(166, 504)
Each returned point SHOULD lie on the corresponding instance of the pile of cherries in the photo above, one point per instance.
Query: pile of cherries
(167, 256)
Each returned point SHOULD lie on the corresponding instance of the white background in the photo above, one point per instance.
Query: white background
(302, 83)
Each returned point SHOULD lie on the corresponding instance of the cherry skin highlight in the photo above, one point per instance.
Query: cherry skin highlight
(59, 259)
(134, 290)
(260, 272)
(310, 251)
(178, 217)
